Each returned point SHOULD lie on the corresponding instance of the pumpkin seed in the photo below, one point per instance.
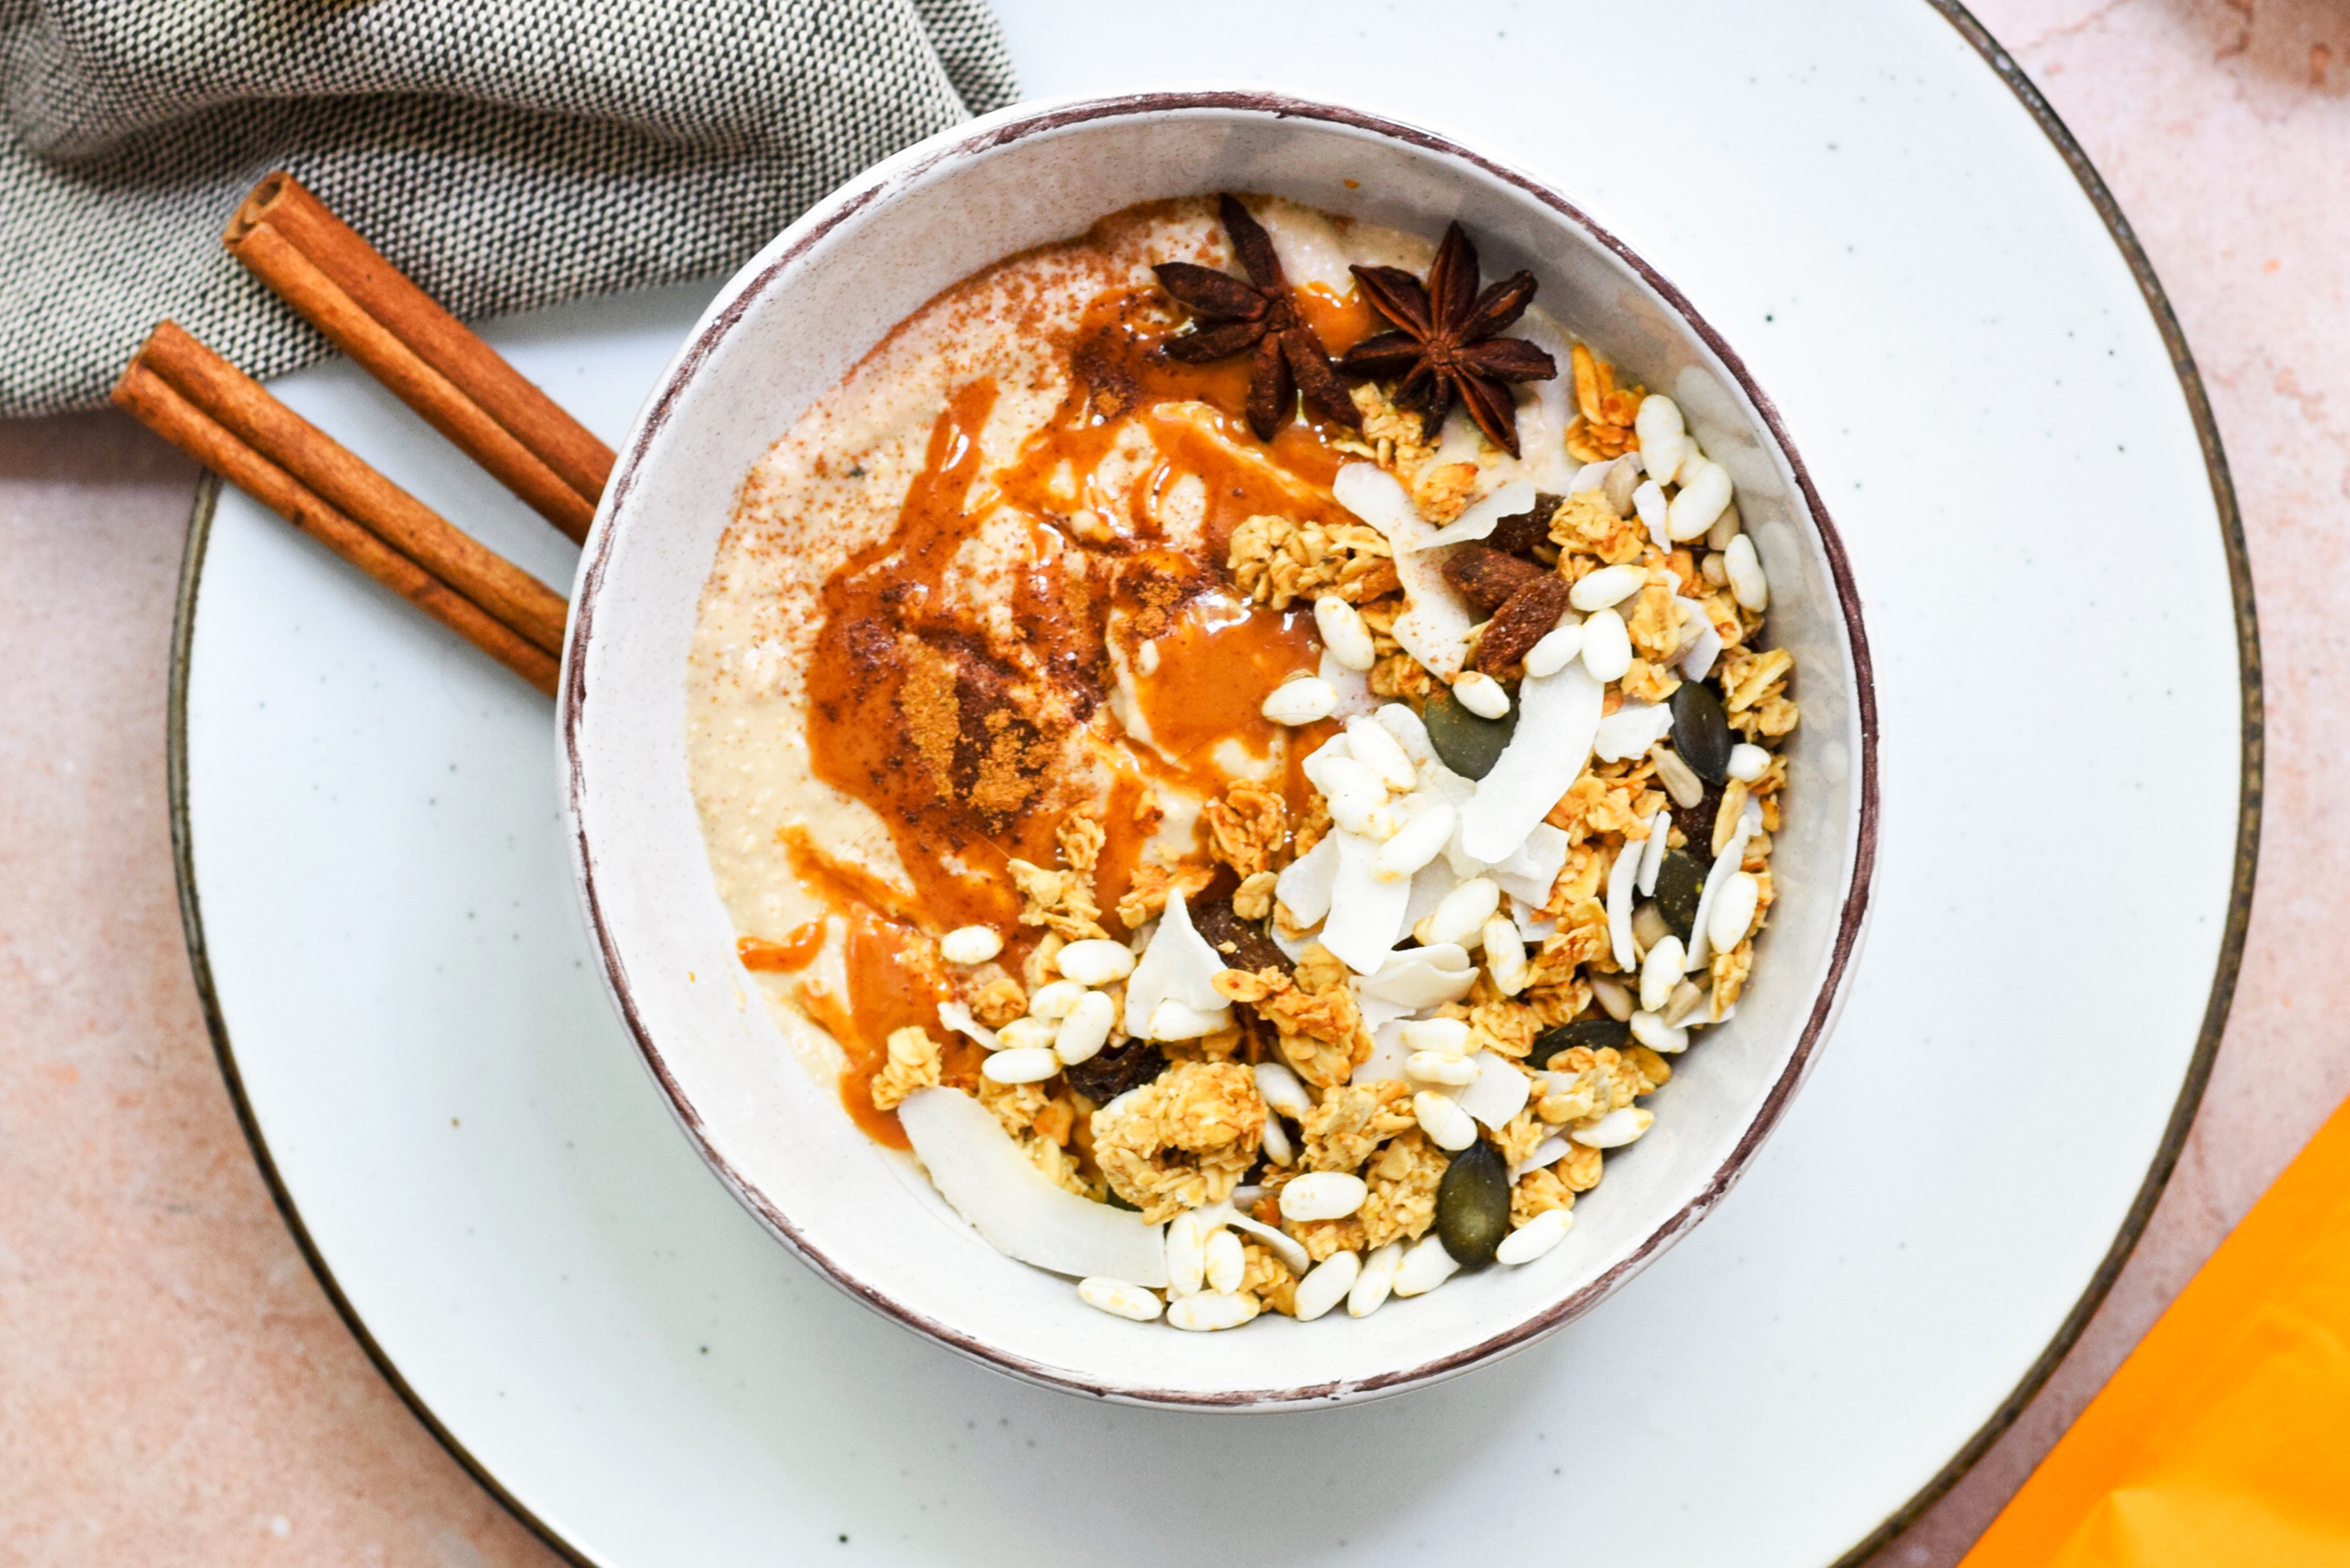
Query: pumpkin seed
(1591, 1033)
(1680, 882)
(1472, 1205)
(1701, 732)
(1468, 744)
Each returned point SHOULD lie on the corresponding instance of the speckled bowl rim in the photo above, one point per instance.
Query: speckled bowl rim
(749, 288)
(2068, 1333)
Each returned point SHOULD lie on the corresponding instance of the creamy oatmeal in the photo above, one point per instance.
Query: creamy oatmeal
(1240, 742)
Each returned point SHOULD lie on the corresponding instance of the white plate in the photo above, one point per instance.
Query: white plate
(464, 1137)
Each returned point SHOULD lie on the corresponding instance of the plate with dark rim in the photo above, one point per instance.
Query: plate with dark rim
(379, 913)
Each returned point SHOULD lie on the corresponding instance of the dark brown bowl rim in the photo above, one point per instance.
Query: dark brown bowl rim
(572, 700)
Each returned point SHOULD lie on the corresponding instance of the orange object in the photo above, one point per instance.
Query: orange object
(2225, 1439)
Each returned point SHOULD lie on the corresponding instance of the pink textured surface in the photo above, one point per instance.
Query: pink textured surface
(175, 1387)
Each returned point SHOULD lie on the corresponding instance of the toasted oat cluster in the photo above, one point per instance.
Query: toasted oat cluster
(1370, 1005)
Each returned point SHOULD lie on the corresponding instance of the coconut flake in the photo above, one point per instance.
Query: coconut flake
(1366, 911)
(1420, 978)
(1498, 1091)
(1304, 884)
(1388, 1055)
(1547, 1152)
(1429, 884)
(1309, 246)
(1019, 1211)
(1533, 929)
(1411, 733)
(1697, 656)
(1548, 409)
(1512, 500)
(1533, 868)
(1557, 716)
(1623, 879)
(1632, 730)
(957, 1017)
(1178, 966)
(1652, 852)
(1284, 1246)
(1435, 625)
(1353, 687)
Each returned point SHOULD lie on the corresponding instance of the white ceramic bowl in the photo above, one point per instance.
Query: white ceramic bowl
(779, 336)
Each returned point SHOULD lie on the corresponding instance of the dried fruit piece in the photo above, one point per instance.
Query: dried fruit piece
(1472, 1205)
(1241, 943)
(1525, 618)
(1114, 1069)
(1486, 577)
(1519, 534)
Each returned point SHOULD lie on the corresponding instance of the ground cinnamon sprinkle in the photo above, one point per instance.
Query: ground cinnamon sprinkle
(933, 715)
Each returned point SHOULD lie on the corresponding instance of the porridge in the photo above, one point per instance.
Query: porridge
(1243, 745)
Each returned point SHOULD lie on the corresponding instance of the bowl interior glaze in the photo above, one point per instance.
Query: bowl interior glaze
(779, 336)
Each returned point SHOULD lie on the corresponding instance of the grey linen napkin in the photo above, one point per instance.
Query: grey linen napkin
(503, 153)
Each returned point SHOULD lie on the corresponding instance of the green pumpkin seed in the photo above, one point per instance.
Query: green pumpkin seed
(1591, 1033)
(1701, 731)
(1472, 1205)
(1681, 881)
(1470, 746)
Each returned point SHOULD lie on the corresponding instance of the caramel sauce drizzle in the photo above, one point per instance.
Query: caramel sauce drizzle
(954, 745)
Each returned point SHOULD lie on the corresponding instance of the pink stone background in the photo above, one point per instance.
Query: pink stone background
(175, 1387)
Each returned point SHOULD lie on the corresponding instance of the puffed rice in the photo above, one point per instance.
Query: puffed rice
(1370, 1290)
(1448, 1126)
(1425, 1267)
(1031, 1064)
(1085, 1029)
(1617, 1128)
(1322, 1195)
(1536, 1236)
(1055, 1000)
(1119, 1298)
(1209, 1310)
(1327, 1284)
(1482, 695)
(1096, 961)
(969, 944)
(1747, 584)
(1607, 647)
(1225, 1262)
(1559, 648)
(1659, 1036)
(1301, 701)
(1344, 633)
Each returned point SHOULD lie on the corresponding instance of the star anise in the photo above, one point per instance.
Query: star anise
(1449, 343)
(1258, 318)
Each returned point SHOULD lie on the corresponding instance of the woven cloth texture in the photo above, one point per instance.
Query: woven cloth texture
(503, 153)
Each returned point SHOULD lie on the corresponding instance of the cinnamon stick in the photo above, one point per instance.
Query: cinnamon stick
(315, 459)
(426, 357)
(164, 410)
